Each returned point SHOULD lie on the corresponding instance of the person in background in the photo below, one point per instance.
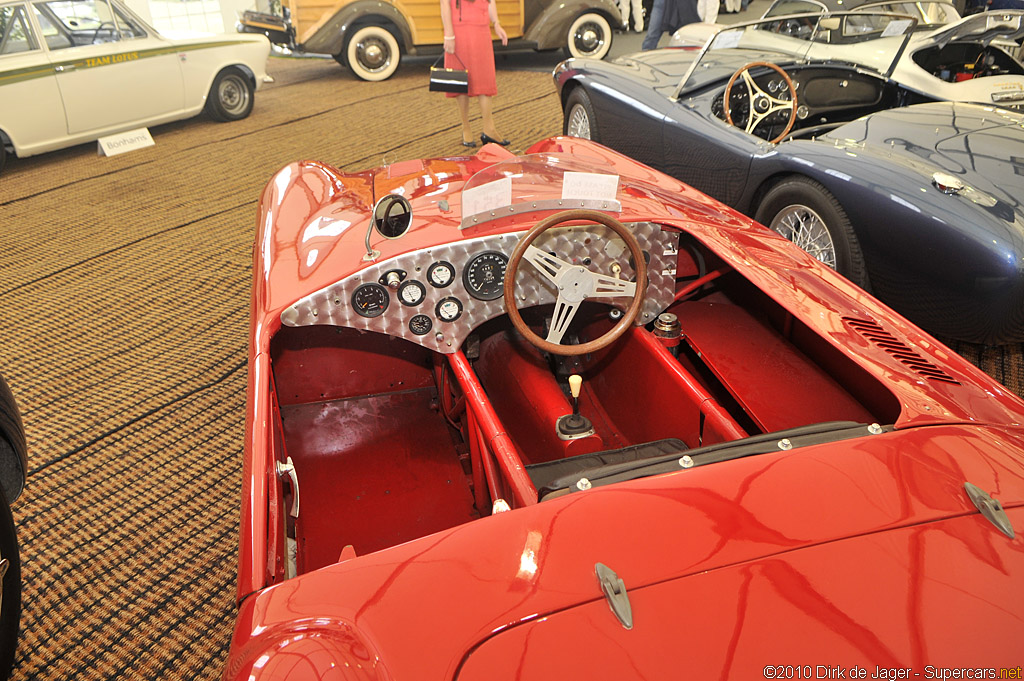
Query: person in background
(638, 14)
(708, 10)
(467, 45)
(669, 15)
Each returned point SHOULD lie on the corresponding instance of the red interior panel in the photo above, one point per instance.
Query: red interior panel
(316, 363)
(773, 380)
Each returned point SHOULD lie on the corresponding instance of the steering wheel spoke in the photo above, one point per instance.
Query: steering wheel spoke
(610, 287)
(551, 267)
(564, 313)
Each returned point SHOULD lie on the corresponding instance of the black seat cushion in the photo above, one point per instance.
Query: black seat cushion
(554, 475)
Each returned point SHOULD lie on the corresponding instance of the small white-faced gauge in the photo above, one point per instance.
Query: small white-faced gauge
(370, 300)
(420, 324)
(484, 276)
(411, 293)
(448, 309)
(441, 274)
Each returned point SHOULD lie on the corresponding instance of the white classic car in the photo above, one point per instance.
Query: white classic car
(948, 58)
(72, 71)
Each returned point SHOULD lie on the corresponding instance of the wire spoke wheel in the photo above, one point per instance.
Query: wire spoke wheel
(804, 227)
(578, 124)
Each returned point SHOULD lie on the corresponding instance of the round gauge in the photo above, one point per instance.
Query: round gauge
(370, 300)
(484, 276)
(449, 309)
(441, 274)
(411, 293)
(420, 324)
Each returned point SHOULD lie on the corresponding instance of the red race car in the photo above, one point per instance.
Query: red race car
(560, 416)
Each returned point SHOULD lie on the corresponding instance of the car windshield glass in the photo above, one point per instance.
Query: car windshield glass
(537, 182)
(986, 26)
(867, 39)
(15, 33)
(783, 7)
(927, 13)
(84, 22)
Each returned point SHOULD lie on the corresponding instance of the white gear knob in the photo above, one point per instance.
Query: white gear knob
(575, 383)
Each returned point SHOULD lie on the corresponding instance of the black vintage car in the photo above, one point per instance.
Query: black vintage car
(919, 203)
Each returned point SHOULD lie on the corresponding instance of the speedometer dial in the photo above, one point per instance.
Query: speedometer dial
(484, 276)
(370, 300)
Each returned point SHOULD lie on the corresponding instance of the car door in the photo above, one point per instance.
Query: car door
(31, 110)
(707, 153)
(113, 70)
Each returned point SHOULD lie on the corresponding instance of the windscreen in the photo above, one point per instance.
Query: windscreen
(538, 182)
(871, 40)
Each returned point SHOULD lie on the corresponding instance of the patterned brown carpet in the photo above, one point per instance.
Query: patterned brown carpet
(124, 288)
(124, 295)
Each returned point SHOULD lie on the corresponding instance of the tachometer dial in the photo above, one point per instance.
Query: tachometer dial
(420, 324)
(484, 276)
(449, 309)
(411, 293)
(441, 274)
(370, 300)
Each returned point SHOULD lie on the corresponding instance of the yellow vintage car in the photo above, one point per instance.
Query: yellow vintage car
(370, 36)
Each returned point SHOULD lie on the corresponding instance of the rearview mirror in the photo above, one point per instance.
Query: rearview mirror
(392, 216)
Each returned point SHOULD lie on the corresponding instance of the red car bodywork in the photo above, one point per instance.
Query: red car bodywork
(864, 551)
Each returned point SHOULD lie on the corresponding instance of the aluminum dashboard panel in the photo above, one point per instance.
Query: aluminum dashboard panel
(594, 246)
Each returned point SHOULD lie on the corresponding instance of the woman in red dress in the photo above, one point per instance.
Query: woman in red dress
(467, 36)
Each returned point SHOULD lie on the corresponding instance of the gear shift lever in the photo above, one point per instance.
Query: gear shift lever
(574, 425)
(575, 384)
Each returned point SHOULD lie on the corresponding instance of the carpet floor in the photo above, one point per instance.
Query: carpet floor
(124, 295)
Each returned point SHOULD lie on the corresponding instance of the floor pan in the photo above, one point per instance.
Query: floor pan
(373, 472)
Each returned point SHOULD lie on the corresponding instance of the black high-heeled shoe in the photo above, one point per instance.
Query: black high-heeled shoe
(485, 138)
(470, 143)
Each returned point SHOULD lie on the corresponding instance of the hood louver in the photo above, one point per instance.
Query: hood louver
(898, 349)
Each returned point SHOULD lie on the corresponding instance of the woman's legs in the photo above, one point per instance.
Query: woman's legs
(467, 131)
(488, 118)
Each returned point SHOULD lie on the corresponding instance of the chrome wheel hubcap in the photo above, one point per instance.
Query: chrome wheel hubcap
(579, 122)
(806, 229)
(374, 55)
(589, 39)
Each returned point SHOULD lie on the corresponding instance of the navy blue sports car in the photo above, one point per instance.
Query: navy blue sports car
(920, 203)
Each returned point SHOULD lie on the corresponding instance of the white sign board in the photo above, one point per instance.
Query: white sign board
(727, 40)
(125, 141)
(487, 197)
(896, 27)
(595, 186)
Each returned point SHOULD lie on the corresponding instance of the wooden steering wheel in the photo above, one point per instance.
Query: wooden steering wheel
(575, 284)
(762, 104)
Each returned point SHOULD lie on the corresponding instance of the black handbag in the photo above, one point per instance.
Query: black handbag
(449, 80)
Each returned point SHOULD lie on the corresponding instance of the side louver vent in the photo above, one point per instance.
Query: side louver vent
(892, 345)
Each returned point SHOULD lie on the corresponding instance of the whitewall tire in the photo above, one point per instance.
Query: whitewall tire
(373, 53)
(589, 36)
